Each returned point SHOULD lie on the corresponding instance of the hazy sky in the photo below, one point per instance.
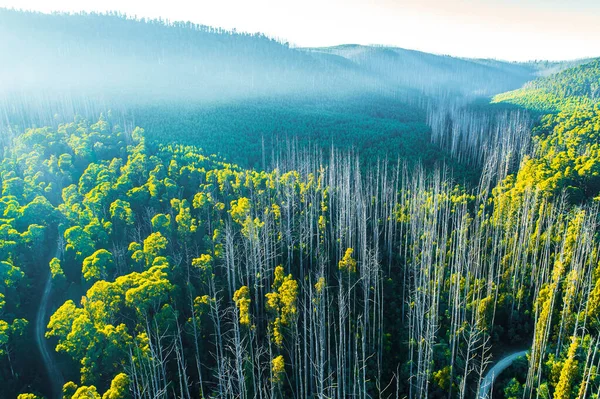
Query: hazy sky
(503, 29)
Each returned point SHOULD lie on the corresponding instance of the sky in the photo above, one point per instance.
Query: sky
(515, 30)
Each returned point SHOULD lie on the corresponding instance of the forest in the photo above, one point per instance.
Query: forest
(351, 221)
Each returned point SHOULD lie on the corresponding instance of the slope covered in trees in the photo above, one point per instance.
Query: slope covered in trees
(337, 256)
(374, 126)
(571, 87)
(566, 137)
(114, 55)
(185, 275)
(222, 90)
(200, 276)
(434, 74)
(109, 55)
(562, 169)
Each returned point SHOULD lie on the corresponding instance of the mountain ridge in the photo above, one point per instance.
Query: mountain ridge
(174, 59)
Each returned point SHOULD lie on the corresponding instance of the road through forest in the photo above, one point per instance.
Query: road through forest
(490, 377)
(41, 320)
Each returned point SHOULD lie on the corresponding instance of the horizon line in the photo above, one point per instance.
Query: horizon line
(281, 40)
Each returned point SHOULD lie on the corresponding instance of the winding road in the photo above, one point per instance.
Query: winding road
(54, 375)
(488, 381)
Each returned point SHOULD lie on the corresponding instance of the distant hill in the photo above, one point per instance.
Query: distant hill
(434, 73)
(127, 57)
(547, 68)
(222, 90)
(579, 81)
(112, 55)
(566, 133)
(573, 86)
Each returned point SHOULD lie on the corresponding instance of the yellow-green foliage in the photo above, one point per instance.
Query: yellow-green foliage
(201, 304)
(119, 387)
(567, 140)
(320, 285)
(161, 224)
(86, 392)
(80, 330)
(240, 209)
(154, 245)
(593, 304)
(55, 269)
(242, 300)
(281, 302)
(204, 263)
(28, 396)
(98, 265)
(442, 378)
(543, 307)
(69, 389)
(278, 369)
(137, 254)
(8, 330)
(10, 274)
(485, 310)
(121, 211)
(348, 263)
(568, 373)
(186, 225)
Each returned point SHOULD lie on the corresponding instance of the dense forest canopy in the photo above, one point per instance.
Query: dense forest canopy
(190, 212)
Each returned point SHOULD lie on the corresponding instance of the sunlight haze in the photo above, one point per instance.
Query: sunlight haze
(269, 199)
(509, 29)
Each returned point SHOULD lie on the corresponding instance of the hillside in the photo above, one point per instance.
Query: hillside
(567, 133)
(187, 212)
(218, 89)
(434, 74)
(113, 55)
(579, 85)
(579, 81)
